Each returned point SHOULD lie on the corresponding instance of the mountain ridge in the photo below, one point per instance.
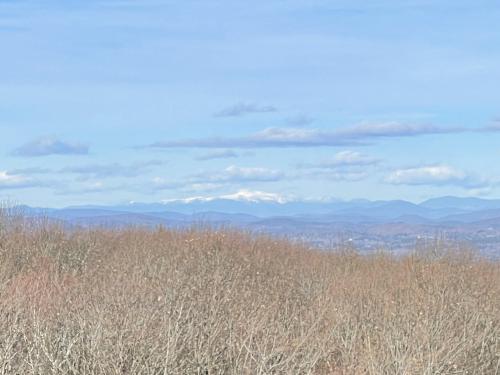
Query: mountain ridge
(397, 224)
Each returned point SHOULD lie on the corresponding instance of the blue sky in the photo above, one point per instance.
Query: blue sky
(109, 101)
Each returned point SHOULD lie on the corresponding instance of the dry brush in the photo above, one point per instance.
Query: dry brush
(206, 302)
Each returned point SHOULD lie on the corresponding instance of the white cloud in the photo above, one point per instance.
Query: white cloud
(11, 180)
(238, 174)
(258, 174)
(434, 175)
(339, 175)
(255, 196)
(15, 181)
(343, 166)
(349, 159)
(212, 180)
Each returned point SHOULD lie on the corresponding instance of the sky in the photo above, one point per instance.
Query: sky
(112, 101)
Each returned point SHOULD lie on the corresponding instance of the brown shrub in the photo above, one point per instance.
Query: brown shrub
(205, 302)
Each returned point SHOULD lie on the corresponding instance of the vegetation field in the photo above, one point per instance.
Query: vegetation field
(205, 302)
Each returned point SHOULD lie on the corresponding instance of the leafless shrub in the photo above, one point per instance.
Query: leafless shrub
(207, 302)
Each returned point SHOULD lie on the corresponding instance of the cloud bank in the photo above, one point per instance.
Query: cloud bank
(298, 137)
(220, 154)
(9, 180)
(51, 146)
(348, 158)
(241, 109)
(435, 175)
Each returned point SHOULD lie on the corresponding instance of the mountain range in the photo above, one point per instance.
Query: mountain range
(394, 224)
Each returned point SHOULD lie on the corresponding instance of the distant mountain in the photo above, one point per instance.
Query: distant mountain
(473, 216)
(388, 210)
(465, 204)
(247, 208)
(263, 208)
(269, 208)
(369, 224)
